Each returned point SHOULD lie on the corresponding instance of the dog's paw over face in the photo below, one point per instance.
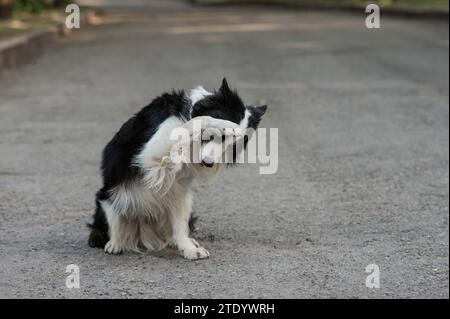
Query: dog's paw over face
(226, 104)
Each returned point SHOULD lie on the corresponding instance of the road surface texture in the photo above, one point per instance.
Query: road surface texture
(363, 126)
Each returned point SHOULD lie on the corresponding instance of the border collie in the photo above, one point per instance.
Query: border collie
(146, 198)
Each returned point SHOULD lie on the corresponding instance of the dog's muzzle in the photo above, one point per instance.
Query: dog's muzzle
(207, 155)
(207, 164)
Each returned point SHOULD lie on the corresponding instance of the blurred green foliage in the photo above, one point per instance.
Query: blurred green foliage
(408, 3)
(36, 6)
(438, 4)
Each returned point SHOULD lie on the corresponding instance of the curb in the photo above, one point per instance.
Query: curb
(388, 10)
(19, 50)
(22, 49)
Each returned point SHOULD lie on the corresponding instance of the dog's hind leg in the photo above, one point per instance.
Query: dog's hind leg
(189, 247)
(116, 242)
(99, 228)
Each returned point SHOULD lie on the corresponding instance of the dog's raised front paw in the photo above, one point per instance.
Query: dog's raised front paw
(113, 248)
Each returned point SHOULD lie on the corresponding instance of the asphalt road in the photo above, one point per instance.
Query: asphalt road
(363, 175)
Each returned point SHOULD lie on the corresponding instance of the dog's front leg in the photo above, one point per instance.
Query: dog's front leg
(160, 174)
(189, 247)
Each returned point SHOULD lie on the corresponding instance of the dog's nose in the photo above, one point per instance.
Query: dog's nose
(207, 154)
(207, 164)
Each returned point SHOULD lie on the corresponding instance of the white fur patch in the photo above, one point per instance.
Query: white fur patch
(243, 125)
(155, 149)
(197, 94)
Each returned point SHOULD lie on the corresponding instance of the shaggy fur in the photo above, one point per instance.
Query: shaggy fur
(146, 200)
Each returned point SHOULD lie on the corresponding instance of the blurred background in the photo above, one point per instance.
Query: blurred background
(363, 145)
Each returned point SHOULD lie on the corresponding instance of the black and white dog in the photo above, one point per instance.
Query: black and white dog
(146, 198)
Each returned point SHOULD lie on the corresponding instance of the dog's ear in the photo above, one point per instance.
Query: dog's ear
(257, 113)
(224, 88)
(261, 110)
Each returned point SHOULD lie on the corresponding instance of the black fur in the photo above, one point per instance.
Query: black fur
(126, 143)
(223, 104)
(118, 154)
(192, 221)
(99, 228)
(256, 115)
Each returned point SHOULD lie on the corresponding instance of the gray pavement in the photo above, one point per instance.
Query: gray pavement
(363, 119)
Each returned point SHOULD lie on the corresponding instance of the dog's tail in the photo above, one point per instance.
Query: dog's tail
(99, 228)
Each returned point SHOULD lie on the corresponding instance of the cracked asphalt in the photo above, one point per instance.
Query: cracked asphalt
(363, 175)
